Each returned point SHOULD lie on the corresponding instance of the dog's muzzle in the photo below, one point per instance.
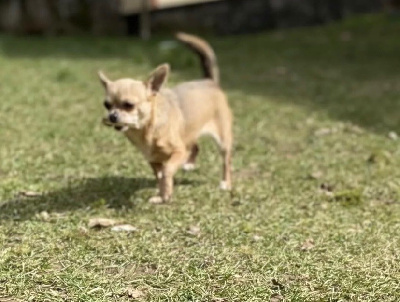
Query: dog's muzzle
(112, 121)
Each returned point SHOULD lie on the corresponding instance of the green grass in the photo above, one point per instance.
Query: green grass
(312, 160)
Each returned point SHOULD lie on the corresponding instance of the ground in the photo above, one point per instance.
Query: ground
(315, 211)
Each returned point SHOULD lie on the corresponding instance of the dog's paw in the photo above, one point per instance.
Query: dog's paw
(156, 200)
(189, 166)
(225, 186)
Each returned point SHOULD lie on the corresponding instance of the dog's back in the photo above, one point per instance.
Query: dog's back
(202, 102)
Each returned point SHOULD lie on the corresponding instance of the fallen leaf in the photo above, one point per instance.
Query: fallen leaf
(328, 194)
(308, 244)
(316, 175)
(276, 298)
(124, 228)
(30, 194)
(194, 230)
(133, 293)
(354, 129)
(257, 238)
(216, 299)
(43, 216)
(83, 230)
(324, 206)
(94, 290)
(101, 222)
(324, 131)
(310, 121)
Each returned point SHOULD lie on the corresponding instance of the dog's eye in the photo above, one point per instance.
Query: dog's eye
(107, 104)
(127, 105)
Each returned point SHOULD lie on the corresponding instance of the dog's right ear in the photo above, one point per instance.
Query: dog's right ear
(103, 79)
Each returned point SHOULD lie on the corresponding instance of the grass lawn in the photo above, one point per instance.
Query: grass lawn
(315, 212)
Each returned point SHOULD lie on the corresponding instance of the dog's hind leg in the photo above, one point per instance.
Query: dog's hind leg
(223, 137)
(191, 161)
(226, 183)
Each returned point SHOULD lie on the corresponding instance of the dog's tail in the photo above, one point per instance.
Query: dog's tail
(205, 52)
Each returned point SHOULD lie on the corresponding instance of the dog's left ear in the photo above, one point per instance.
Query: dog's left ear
(103, 79)
(158, 77)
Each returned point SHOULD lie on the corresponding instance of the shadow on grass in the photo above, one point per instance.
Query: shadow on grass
(113, 192)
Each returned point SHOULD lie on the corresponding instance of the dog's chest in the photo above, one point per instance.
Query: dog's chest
(154, 150)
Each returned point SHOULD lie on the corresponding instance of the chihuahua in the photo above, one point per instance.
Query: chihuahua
(165, 123)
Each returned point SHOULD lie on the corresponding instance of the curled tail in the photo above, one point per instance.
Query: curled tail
(205, 52)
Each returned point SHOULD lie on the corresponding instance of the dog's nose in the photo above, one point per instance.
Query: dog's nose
(113, 117)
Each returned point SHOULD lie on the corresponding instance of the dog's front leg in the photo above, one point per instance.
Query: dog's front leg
(157, 170)
(168, 171)
(158, 173)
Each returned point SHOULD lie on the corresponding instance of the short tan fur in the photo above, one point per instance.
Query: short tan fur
(165, 123)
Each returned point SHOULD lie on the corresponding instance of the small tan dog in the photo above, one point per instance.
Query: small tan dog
(165, 124)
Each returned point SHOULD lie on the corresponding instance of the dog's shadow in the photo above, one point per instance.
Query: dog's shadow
(114, 192)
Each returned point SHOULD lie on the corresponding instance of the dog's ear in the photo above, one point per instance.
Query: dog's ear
(103, 79)
(157, 78)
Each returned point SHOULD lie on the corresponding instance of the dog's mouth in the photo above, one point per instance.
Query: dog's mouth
(121, 128)
(117, 127)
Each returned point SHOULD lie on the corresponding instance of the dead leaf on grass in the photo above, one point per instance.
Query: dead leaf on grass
(101, 222)
(276, 298)
(316, 175)
(83, 231)
(30, 193)
(308, 244)
(193, 230)
(94, 290)
(324, 131)
(216, 299)
(44, 216)
(133, 293)
(124, 228)
(257, 238)
(8, 299)
(354, 129)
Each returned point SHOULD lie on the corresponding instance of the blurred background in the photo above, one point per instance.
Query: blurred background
(142, 17)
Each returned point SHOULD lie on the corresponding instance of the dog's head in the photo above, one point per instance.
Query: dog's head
(129, 102)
